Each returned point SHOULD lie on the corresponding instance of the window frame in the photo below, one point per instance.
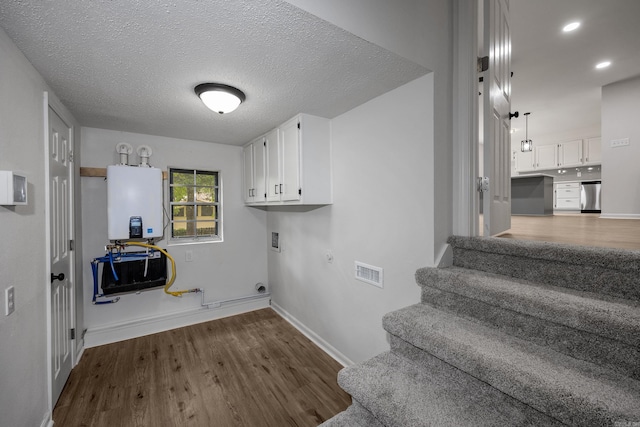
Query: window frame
(216, 206)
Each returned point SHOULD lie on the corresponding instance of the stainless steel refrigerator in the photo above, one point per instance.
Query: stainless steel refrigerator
(590, 197)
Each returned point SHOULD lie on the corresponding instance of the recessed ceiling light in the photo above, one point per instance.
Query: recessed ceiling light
(571, 27)
(603, 64)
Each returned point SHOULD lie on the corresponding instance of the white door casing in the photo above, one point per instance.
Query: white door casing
(496, 121)
(60, 172)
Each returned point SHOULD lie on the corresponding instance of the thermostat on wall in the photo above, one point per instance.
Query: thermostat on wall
(13, 188)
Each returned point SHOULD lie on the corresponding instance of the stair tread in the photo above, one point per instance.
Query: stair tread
(551, 382)
(604, 315)
(354, 416)
(610, 258)
(401, 393)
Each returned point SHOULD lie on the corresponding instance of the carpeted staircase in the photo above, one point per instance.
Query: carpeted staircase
(515, 333)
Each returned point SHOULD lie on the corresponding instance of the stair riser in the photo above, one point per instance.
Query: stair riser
(529, 416)
(620, 357)
(572, 408)
(588, 278)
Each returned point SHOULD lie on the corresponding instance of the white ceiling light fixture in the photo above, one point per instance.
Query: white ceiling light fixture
(603, 64)
(572, 26)
(220, 98)
(526, 144)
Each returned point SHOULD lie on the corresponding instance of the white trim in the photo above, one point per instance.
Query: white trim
(620, 216)
(79, 353)
(315, 338)
(465, 117)
(47, 421)
(47, 245)
(153, 324)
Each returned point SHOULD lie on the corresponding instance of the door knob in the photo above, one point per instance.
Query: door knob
(59, 277)
(512, 115)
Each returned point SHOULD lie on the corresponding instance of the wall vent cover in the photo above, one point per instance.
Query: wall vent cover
(369, 274)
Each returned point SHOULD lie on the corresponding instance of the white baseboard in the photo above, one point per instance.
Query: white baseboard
(47, 421)
(620, 216)
(315, 338)
(151, 325)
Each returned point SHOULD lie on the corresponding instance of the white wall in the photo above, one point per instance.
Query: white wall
(392, 166)
(421, 31)
(225, 270)
(620, 171)
(378, 217)
(23, 263)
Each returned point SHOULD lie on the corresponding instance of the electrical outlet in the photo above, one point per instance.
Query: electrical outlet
(9, 301)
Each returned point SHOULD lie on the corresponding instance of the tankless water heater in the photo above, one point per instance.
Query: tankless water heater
(134, 202)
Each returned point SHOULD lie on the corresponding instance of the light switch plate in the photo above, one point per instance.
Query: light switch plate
(619, 142)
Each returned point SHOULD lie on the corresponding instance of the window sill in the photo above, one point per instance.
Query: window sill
(183, 242)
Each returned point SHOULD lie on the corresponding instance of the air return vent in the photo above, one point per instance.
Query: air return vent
(369, 274)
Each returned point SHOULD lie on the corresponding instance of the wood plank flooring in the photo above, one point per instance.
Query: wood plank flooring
(578, 229)
(254, 369)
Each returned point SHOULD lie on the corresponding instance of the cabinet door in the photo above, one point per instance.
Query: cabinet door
(290, 145)
(570, 153)
(273, 167)
(524, 161)
(593, 148)
(247, 182)
(260, 170)
(546, 157)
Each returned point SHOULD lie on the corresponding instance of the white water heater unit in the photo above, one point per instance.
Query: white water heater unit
(134, 202)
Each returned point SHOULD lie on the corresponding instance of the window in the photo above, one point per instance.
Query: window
(194, 198)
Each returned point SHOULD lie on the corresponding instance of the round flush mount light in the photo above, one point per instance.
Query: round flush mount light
(572, 26)
(603, 64)
(220, 98)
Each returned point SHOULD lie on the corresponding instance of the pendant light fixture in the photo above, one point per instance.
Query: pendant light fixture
(220, 98)
(526, 144)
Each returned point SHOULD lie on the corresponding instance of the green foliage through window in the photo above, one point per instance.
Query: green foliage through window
(195, 204)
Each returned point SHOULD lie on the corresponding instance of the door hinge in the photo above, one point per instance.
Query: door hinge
(71, 156)
(72, 333)
(264, 143)
(298, 125)
(483, 184)
(71, 245)
(300, 191)
(483, 64)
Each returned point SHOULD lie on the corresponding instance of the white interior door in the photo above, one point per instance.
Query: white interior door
(60, 259)
(496, 122)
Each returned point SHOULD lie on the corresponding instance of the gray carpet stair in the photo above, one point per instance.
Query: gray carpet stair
(514, 334)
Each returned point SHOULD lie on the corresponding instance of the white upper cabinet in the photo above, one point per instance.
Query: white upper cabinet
(254, 171)
(298, 162)
(524, 161)
(546, 156)
(570, 153)
(593, 151)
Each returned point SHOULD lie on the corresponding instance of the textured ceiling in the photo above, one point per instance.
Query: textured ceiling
(131, 65)
(554, 75)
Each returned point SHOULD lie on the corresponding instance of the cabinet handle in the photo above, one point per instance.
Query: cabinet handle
(280, 188)
(275, 189)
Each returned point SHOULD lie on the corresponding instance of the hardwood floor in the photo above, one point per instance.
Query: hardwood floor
(254, 369)
(578, 229)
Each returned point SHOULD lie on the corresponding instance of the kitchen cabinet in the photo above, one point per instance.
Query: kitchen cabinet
(298, 162)
(255, 190)
(593, 151)
(546, 157)
(570, 153)
(567, 196)
(524, 161)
